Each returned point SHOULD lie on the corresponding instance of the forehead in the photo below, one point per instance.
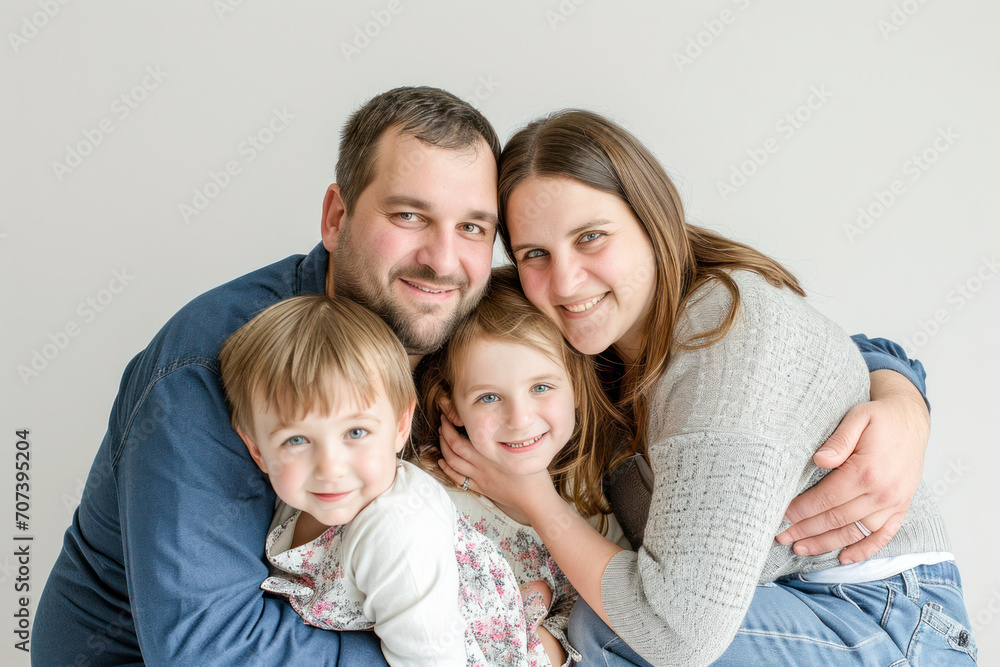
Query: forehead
(496, 362)
(443, 177)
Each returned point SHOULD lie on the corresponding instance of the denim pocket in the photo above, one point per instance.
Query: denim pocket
(940, 639)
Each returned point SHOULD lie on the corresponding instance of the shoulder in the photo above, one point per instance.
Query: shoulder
(779, 357)
(414, 504)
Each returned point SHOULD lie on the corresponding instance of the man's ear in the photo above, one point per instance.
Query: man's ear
(334, 217)
(448, 408)
(254, 450)
(403, 427)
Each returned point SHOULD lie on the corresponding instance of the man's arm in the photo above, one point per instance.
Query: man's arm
(194, 515)
(878, 451)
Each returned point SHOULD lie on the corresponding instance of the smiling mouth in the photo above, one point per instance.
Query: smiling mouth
(586, 305)
(424, 289)
(523, 443)
(331, 497)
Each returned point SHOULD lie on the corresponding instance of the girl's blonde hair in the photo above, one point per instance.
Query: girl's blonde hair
(505, 314)
(308, 353)
(592, 150)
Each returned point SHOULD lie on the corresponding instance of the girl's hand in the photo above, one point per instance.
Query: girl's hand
(879, 448)
(503, 487)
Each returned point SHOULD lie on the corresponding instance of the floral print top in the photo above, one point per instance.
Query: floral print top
(434, 589)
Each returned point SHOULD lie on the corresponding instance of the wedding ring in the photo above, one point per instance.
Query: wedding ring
(465, 487)
(864, 530)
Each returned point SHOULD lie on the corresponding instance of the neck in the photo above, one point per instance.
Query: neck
(307, 529)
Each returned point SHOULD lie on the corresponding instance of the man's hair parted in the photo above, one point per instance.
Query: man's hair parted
(430, 114)
(309, 353)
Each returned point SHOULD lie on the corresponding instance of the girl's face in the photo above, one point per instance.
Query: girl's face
(584, 260)
(515, 403)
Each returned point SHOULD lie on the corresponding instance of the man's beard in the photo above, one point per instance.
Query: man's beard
(356, 279)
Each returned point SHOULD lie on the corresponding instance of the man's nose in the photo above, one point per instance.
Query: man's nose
(439, 250)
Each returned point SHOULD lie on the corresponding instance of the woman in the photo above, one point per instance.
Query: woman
(730, 382)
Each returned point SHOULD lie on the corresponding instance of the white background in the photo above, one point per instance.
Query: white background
(893, 75)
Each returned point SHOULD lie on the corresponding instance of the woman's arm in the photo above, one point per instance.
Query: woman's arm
(878, 451)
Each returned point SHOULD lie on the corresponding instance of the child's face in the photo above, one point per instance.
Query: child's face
(330, 466)
(515, 403)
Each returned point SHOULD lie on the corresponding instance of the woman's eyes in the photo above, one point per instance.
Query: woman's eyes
(532, 254)
(356, 433)
(591, 236)
(296, 440)
(488, 398)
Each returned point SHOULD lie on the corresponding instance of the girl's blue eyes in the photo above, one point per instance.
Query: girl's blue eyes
(493, 398)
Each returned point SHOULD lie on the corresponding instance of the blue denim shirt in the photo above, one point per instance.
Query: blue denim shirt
(164, 559)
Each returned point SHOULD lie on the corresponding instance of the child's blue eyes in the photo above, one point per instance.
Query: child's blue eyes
(539, 388)
(489, 398)
(353, 434)
(493, 398)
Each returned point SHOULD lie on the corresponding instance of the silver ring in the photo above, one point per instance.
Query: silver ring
(465, 487)
(864, 530)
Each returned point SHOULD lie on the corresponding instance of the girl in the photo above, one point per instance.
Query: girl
(729, 381)
(531, 405)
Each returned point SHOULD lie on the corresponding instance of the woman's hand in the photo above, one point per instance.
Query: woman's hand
(879, 448)
(506, 489)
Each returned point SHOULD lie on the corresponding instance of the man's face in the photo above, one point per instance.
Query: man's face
(418, 246)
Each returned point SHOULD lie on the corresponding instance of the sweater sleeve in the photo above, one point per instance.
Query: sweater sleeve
(732, 430)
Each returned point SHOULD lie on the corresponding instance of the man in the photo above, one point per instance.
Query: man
(164, 558)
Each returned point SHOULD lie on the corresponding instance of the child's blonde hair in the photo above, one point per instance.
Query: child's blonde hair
(309, 352)
(505, 314)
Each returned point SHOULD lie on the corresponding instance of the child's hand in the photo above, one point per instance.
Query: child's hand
(502, 486)
(537, 597)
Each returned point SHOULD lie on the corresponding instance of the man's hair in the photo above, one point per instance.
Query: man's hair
(309, 353)
(432, 115)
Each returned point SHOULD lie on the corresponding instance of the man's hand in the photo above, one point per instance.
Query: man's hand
(879, 448)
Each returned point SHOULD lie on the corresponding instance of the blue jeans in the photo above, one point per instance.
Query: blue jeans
(914, 618)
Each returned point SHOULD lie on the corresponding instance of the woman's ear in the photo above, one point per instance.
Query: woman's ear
(448, 408)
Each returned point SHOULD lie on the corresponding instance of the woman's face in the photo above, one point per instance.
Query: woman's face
(584, 261)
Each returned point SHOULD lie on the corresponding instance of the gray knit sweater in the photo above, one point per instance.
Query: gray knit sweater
(732, 432)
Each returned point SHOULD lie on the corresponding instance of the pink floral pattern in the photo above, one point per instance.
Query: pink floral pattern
(312, 577)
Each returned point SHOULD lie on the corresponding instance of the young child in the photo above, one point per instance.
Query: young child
(527, 402)
(321, 393)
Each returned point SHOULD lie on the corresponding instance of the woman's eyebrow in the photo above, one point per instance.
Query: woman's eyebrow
(573, 232)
